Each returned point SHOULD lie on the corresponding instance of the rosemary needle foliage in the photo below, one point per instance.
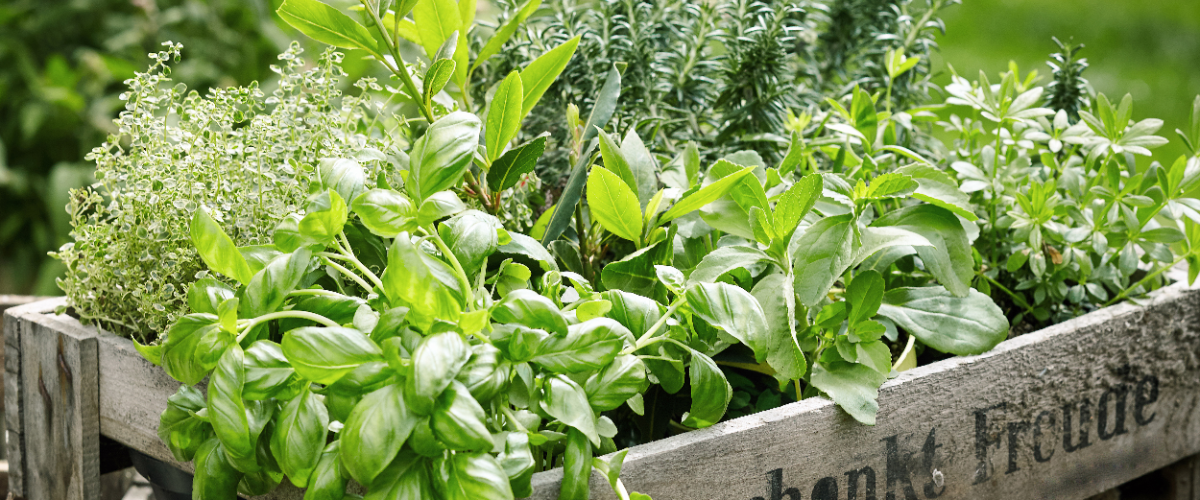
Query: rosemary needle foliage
(1068, 90)
(246, 155)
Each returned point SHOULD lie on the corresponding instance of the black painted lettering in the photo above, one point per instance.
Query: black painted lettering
(1085, 418)
(897, 471)
(1014, 438)
(934, 487)
(1119, 391)
(825, 489)
(1146, 394)
(983, 441)
(775, 489)
(868, 475)
(1037, 436)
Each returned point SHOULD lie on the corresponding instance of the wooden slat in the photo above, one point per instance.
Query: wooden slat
(1125, 381)
(1183, 479)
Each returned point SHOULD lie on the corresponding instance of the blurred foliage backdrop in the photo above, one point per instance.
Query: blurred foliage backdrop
(62, 64)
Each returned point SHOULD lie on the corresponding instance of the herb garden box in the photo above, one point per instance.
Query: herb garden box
(1066, 412)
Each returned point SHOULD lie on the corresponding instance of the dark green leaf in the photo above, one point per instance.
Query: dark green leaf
(215, 478)
(616, 383)
(587, 346)
(324, 354)
(299, 436)
(507, 170)
(180, 358)
(268, 372)
(179, 427)
(471, 476)
(577, 467)
(821, 255)
(459, 422)
(236, 422)
(949, 258)
(406, 478)
(864, 295)
(955, 325)
(435, 363)
(710, 392)
(328, 479)
(374, 433)
(732, 310)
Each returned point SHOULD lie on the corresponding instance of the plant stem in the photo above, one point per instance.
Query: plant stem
(1016, 298)
(349, 254)
(347, 272)
(1143, 281)
(317, 318)
(400, 69)
(643, 341)
(458, 269)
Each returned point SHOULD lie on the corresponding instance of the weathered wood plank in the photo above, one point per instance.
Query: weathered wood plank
(1068, 412)
(60, 413)
(1183, 479)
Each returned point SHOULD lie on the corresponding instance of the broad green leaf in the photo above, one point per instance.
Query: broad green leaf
(236, 422)
(438, 206)
(180, 358)
(328, 479)
(484, 375)
(504, 117)
(526, 246)
(938, 188)
(642, 164)
(877, 239)
(890, 185)
(864, 295)
(502, 35)
(732, 310)
(257, 256)
(459, 422)
(635, 273)
(705, 195)
(325, 354)
(852, 386)
(682, 172)
(783, 351)
(206, 294)
(471, 476)
(269, 287)
(587, 346)
(436, 78)
(410, 280)
(615, 162)
(564, 400)
(795, 203)
(508, 169)
(614, 205)
(408, 476)
(794, 155)
(539, 74)
(577, 467)
(342, 175)
(602, 111)
(616, 383)
(949, 257)
(472, 237)
(215, 478)
(710, 392)
(268, 372)
(437, 21)
(725, 259)
(324, 218)
(956, 325)
(518, 463)
(374, 433)
(526, 307)
(435, 363)
(439, 158)
(299, 436)
(179, 427)
(385, 212)
(821, 255)
(635, 312)
(874, 354)
(216, 249)
(327, 25)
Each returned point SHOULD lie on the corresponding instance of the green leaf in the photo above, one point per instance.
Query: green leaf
(602, 111)
(385, 212)
(374, 433)
(852, 386)
(564, 400)
(216, 249)
(435, 363)
(411, 279)
(484, 375)
(206, 294)
(587, 346)
(615, 162)
(459, 422)
(236, 422)
(325, 354)
(472, 236)
(269, 287)
(179, 428)
(635, 312)
(949, 258)
(328, 479)
(406, 477)
(821, 255)
(725, 259)
(436, 78)
(890, 185)
(518, 463)
(642, 164)
(710, 392)
(504, 116)
(502, 35)
(439, 205)
(268, 372)
(528, 247)
(705, 195)
(938, 188)
(620, 380)
(215, 478)
(955, 325)
(327, 25)
(732, 310)
(864, 295)
(635, 273)
(342, 175)
(507, 171)
(577, 467)
(471, 476)
(795, 203)
(439, 158)
(542, 72)
(325, 217)
(180, 358)
(526, 307)
(783, 351)
(876, 239)
(299, 436)
(614, 205)
(437, 21)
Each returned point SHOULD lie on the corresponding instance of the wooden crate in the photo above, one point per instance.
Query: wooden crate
(1067, 412)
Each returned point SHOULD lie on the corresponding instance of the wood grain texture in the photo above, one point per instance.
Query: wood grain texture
(7, 301)
(1125, 381)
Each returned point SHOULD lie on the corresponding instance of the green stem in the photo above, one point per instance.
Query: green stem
(348, 273)
(643, 341)
(353, 259)
(1017, 298)
(400, 69)
(1143, 281)
(458, 269)
(315, 291)
(317, 318)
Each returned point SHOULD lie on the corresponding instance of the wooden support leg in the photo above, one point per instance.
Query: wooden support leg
(1183, 478)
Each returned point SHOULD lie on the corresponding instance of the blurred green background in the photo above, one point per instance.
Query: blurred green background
(62, 64)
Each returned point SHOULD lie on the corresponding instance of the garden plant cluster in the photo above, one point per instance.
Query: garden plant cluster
(360, 295)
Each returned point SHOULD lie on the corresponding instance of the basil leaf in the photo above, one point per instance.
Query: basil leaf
(270, 286)
(206, 294)
(725, 259)
(854, 387)
(406, 478)
(268, 372)
(327, 25)
(614, 205)
(526, 307)
(385, 212)
(577, 467)
(324, 218)
(324, 354)
(503, 121)
(634, 312)
(299, 436)
(328, 479)
(459, 422)
(215, 478)
(375, 431)
(179, 427)
(517, 462)
(564, 400)
(471, 476)
(508, 169)
(216, 249)
(949, 258)
(635, 273)
(236, 422)
(710, 392)
(956, 325)
(435, 363)
(438, 206)
(342, 175)
(526, 246)
(587, 346)
(732, 310)
(409, 280)
(484, 375)
(616, 383)
(180, 358)
(439, 158)
(472, 236)
(822, 253)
